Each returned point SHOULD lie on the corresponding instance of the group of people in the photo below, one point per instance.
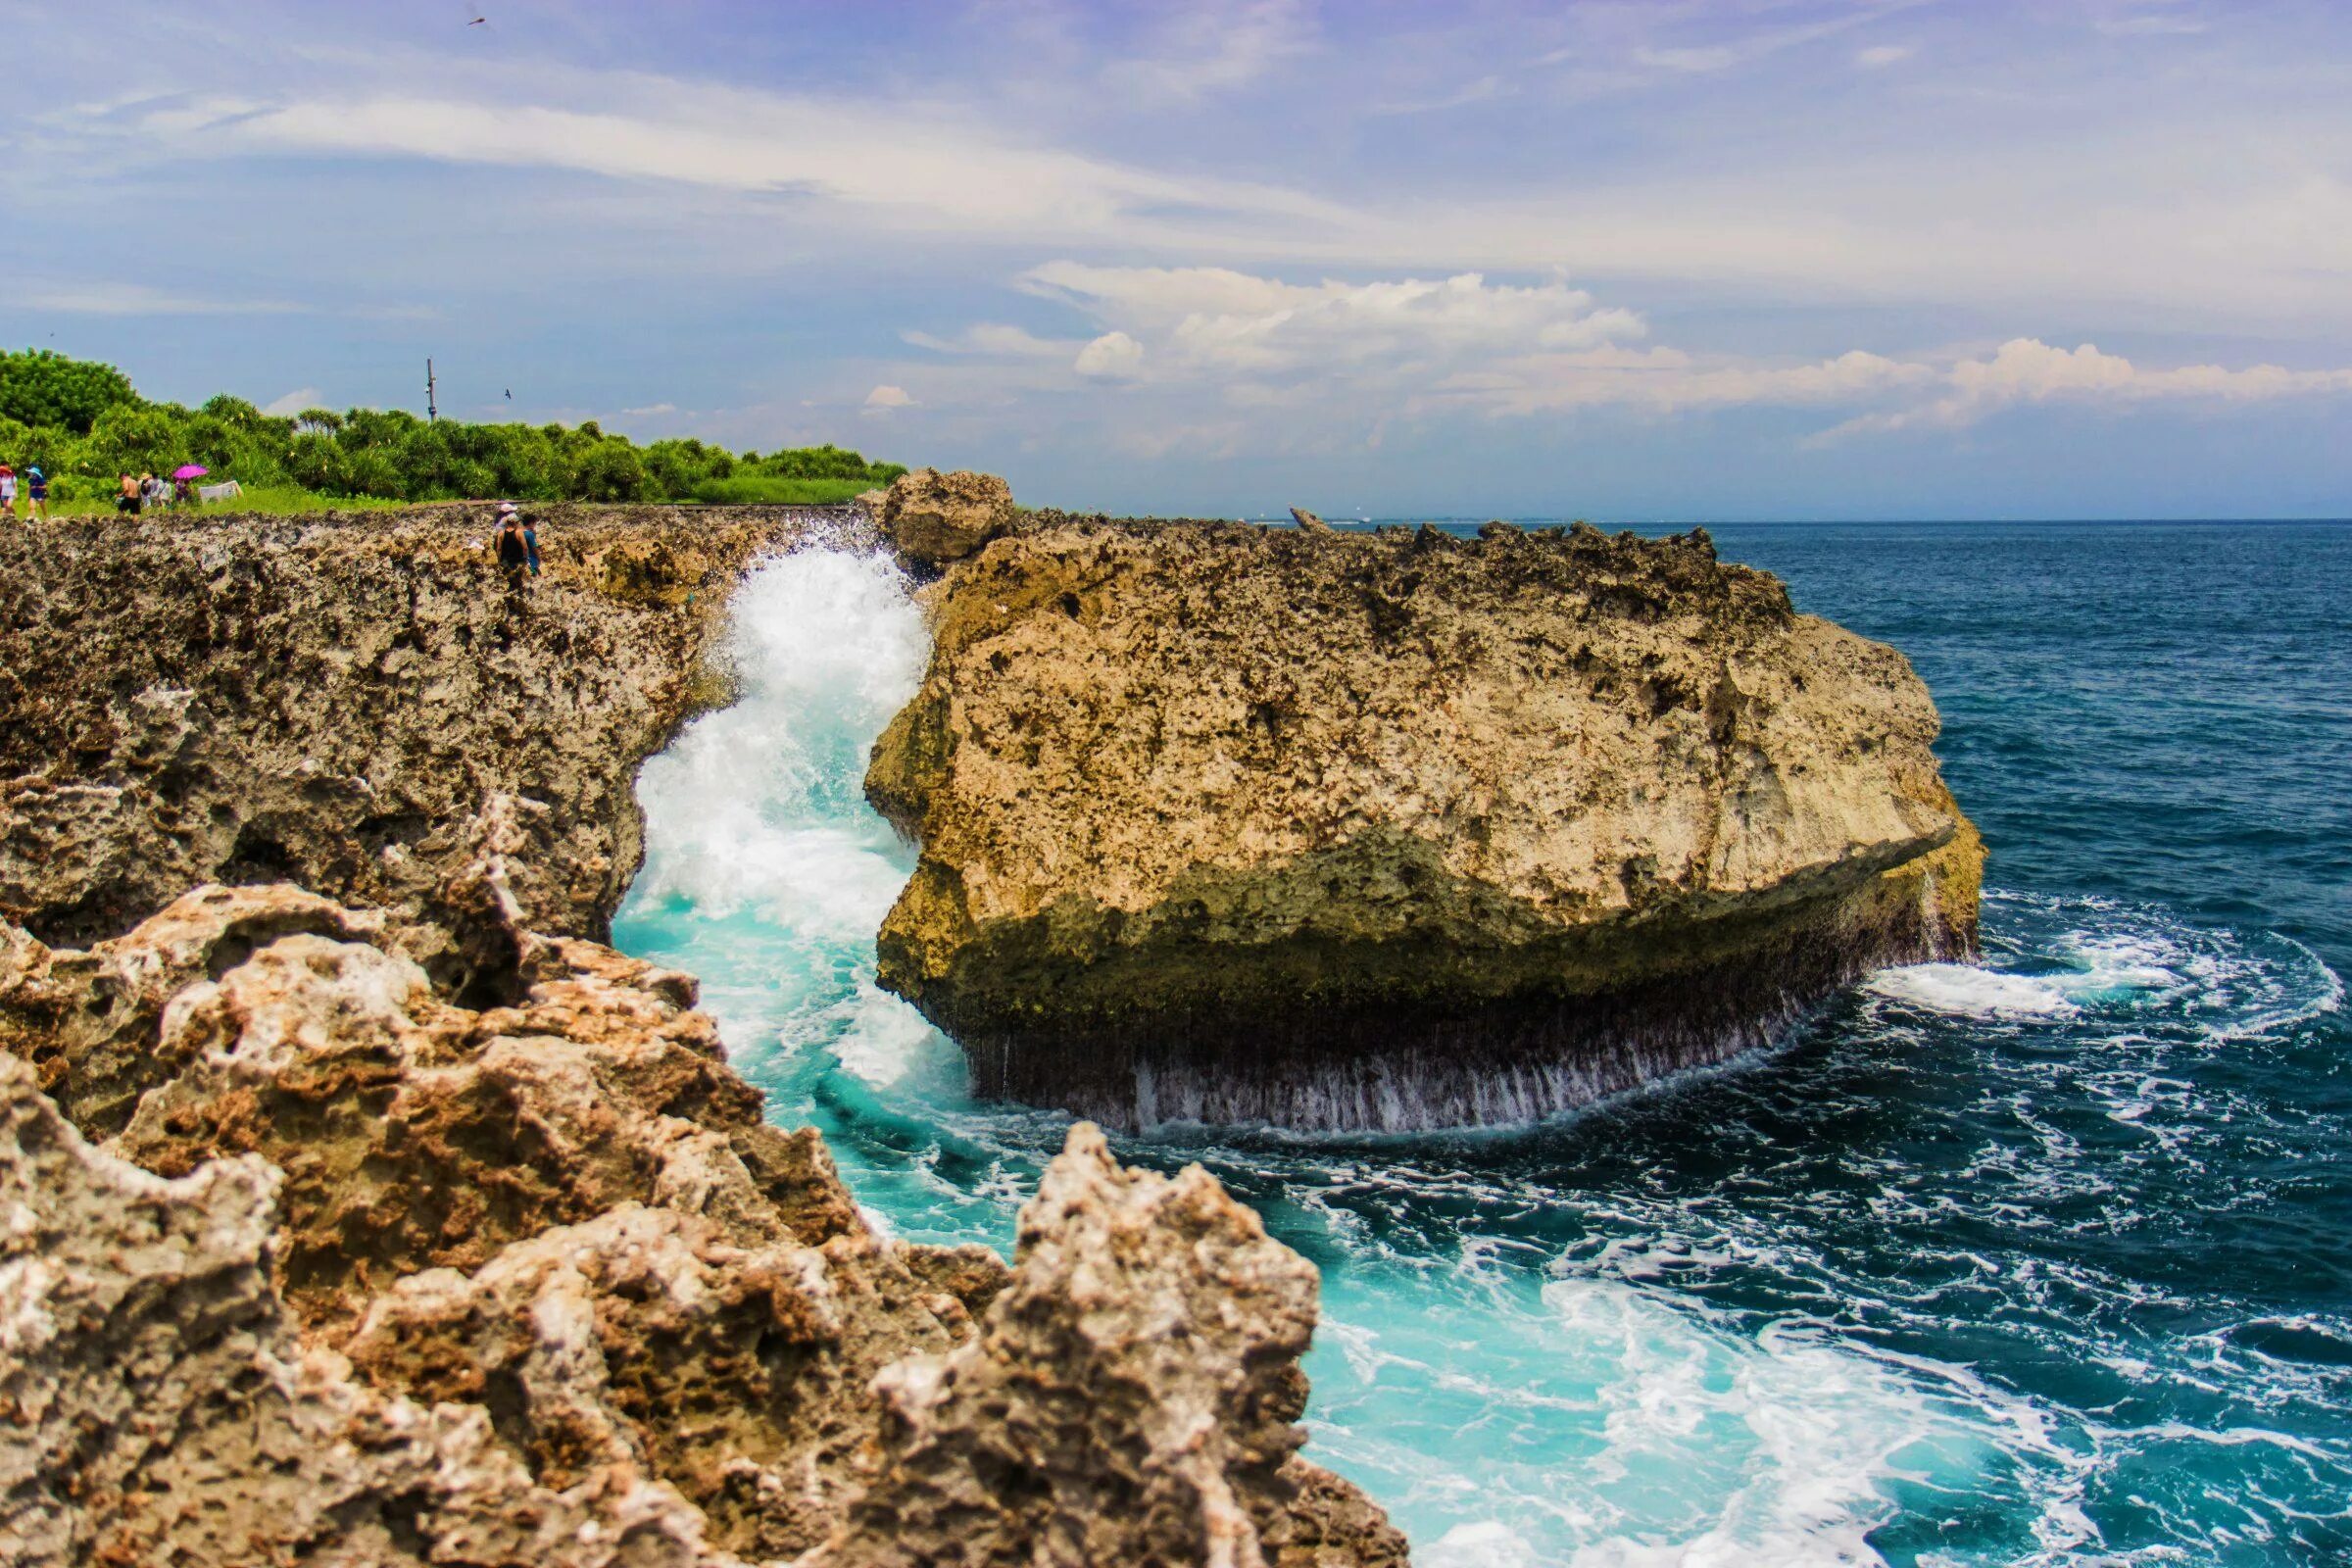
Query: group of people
(36, 492)
(134, 496)
(137, 495)
(518, 544)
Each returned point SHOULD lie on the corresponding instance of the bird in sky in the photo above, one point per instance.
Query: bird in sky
(477, 22)
(509, 394)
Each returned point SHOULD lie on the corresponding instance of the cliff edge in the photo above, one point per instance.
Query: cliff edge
(1395, 831)
(393, 1222)
(329, 700)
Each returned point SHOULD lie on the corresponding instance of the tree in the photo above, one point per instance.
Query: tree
(609, 470)
(41, 386)
(131, 438)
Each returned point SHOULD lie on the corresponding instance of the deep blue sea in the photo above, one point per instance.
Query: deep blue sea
(2048, 1261)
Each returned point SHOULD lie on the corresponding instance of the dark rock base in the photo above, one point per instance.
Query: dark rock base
(1337, 1065)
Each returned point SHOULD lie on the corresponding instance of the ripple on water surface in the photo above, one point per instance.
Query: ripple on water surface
(2035, 1262)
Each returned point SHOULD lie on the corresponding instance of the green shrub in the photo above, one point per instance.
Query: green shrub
(85, 426)
(41, 386)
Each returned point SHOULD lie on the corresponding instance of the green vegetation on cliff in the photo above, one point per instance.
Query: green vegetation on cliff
(85, 426)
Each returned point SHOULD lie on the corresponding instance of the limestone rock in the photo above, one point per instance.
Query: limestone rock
(1131, 1397)
(161, 1408)
(1232, 823)
(331, 700)
(1309, 522)
(396, 1280)
(416, 1134)
(89, 1022)
(933, 519)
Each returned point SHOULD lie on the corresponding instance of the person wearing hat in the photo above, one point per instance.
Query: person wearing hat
(513, 553)
(530, 532)
(37, 494)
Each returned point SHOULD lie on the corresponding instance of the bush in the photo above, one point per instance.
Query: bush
(43, 387)
(84, 425)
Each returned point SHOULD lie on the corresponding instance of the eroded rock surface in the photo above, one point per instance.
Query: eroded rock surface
(333, 699)
(1396, 831)
(933, 519)
(1166, 1437)
(371, 1275)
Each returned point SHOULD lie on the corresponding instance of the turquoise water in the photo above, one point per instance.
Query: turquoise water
(2043, 1263)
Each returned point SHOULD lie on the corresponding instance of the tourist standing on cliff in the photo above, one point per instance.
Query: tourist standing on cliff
(126, 502)
(37, 495)
(508, 512)
(514, 554)
(8, 490)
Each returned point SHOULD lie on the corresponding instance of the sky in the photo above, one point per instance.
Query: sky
(1657, 261)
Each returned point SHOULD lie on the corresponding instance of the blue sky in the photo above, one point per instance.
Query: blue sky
(1741, 258)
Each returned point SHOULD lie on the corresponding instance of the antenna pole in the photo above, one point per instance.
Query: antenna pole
(431, 412)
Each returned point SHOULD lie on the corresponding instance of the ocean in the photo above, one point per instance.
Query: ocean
(2043, 1261)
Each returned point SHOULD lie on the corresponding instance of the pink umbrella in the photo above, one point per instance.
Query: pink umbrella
(192, 470)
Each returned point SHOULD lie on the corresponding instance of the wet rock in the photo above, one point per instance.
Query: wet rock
(1132, 1396)
(1232, 823)
(933, 519)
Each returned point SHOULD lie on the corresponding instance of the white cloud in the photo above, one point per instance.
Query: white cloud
(1668, 380)
(994, 339)
(293, 403)
(1214, 321)
(1113, 354)
(1711, 58)
(1879, 56)
(1309, 361)
(650, 411)
(883, 399)
(2029, 370)
(909, 167)
(1212, 48)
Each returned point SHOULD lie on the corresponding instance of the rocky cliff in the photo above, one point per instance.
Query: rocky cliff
(395, 1222)
(372, 1277)
(1340, 830)
(331, 700)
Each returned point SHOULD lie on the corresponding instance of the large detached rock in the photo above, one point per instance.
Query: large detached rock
(933, 519)
(1337, 830)
(370, 1273)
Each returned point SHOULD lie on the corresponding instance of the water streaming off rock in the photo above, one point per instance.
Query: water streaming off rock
(2037, 1263)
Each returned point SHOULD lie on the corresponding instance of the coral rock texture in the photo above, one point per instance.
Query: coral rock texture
(1396, 830)
(331, 700)
(369, 1274)
(933, 519)
(1164, 1435)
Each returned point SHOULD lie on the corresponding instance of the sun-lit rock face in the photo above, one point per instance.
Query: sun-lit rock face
(933, 519)
(370, 1274)
(329, 701)
(1338, 830)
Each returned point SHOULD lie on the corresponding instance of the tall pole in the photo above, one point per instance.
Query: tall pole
(431, 412)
